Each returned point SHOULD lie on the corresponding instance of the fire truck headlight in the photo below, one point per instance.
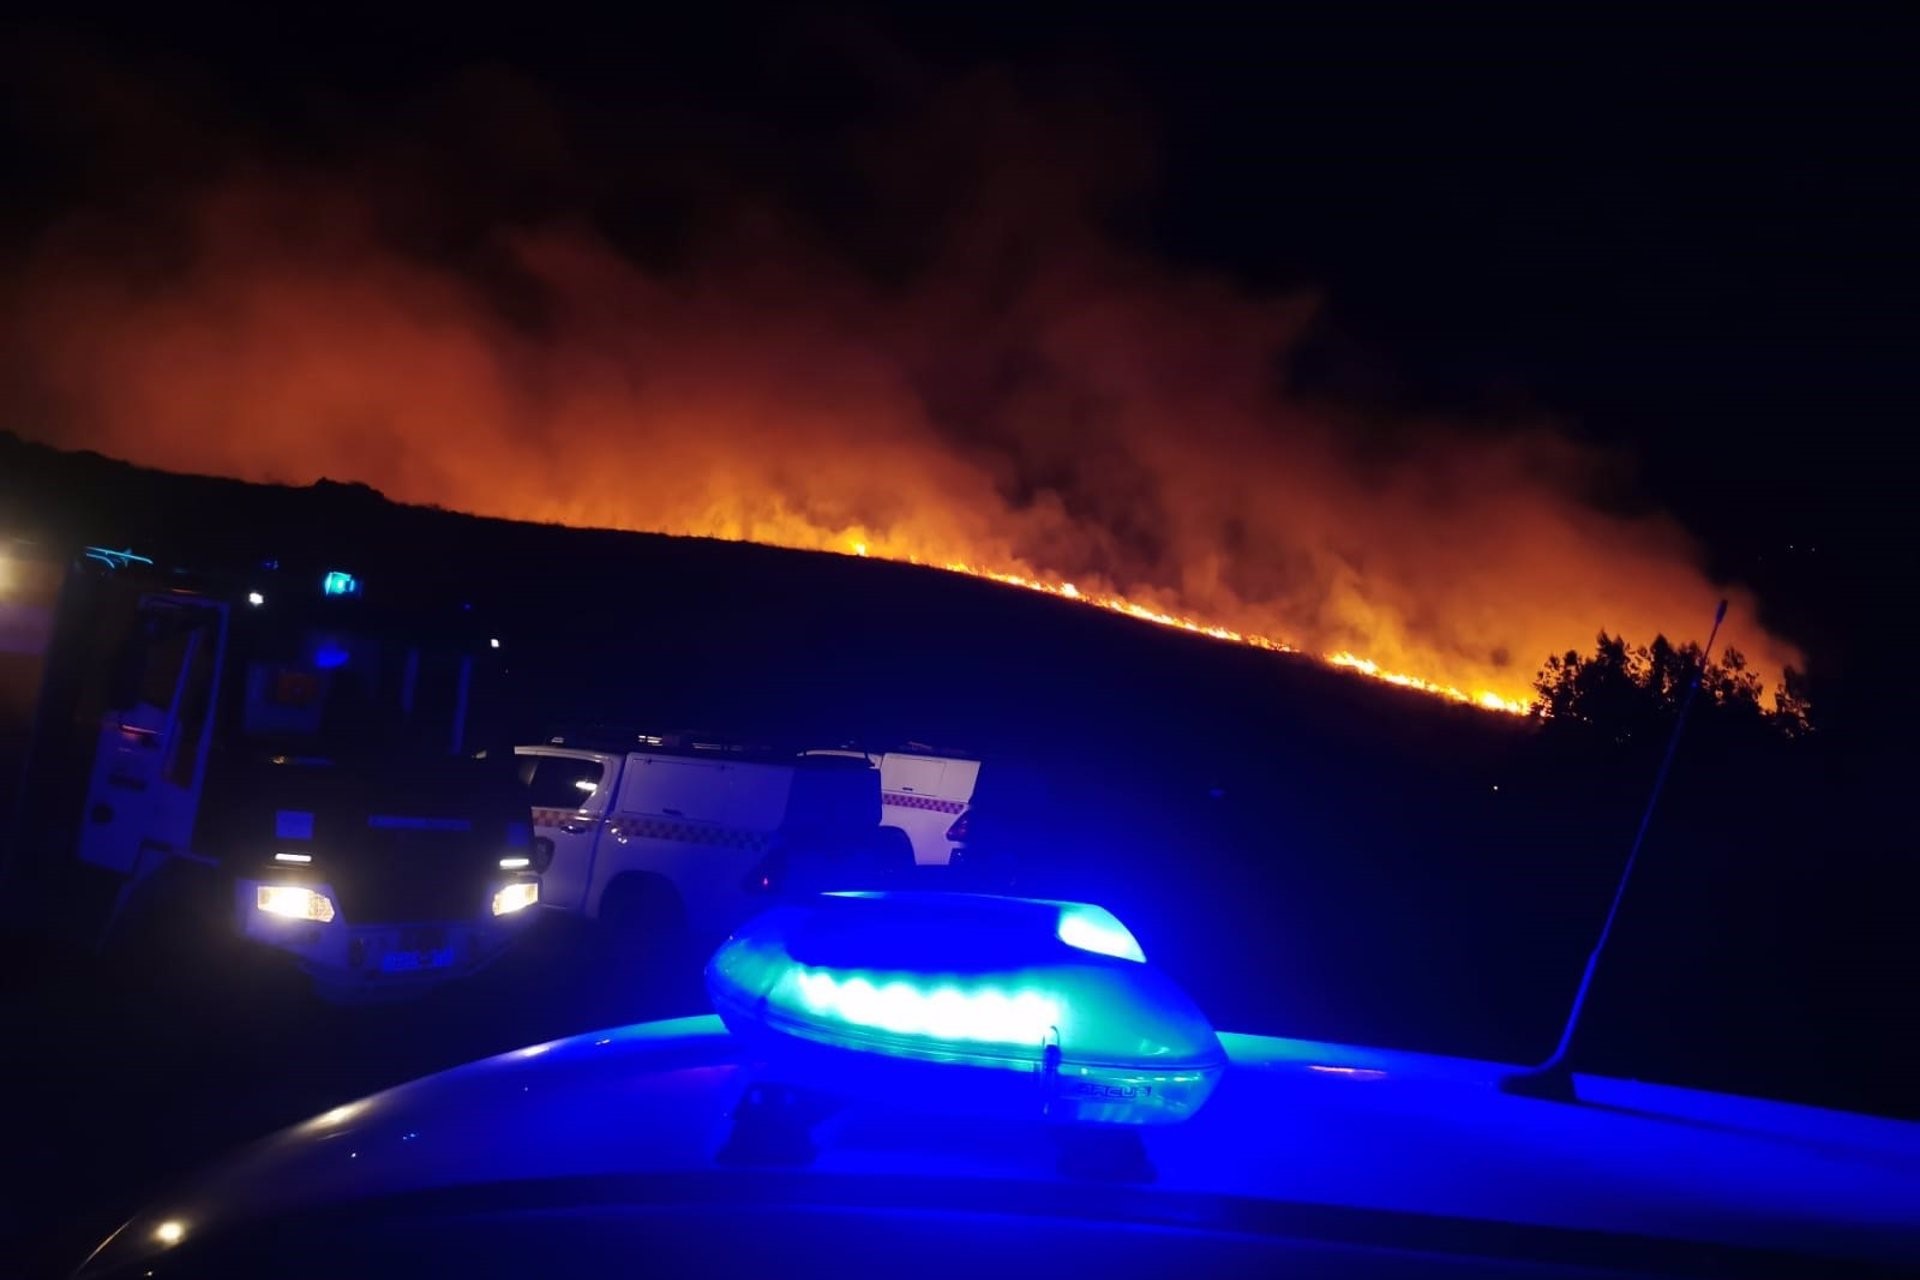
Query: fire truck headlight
(516, 897)
(295, 902)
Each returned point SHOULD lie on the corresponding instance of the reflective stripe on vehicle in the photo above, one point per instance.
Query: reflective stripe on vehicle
(679, 830)
(554, 817)
(906, 800)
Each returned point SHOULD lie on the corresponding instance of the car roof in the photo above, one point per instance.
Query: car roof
(1333, 1129)
(812, 762)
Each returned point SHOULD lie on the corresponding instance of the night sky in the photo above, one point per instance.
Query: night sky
(1677, 237)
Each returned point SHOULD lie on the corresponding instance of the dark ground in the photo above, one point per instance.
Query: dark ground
(1312, 855)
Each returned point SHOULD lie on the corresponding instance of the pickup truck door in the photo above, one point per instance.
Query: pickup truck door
(150, 757)
(569, 794)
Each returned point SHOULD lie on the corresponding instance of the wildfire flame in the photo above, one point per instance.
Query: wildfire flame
(1014, 395)
(1486, 699)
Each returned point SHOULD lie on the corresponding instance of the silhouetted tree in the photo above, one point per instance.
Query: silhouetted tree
(1628, 692)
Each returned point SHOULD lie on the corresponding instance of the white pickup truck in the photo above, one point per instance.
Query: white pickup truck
(924, 793)
(690, 840)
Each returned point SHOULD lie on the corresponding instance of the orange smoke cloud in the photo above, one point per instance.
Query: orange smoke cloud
(1026, 396)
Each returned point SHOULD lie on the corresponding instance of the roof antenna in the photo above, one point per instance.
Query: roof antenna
(1553, 1079)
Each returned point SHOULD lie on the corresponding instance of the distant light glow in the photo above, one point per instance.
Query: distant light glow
(515, 864)
(1352, 1073)
(170, 1232)
(293, 857)
(515, 897)
(1094, 929)
(329, 657)
(294, 902)
(255, 599)
(338, 1116)
(494, 643)
(337, 583)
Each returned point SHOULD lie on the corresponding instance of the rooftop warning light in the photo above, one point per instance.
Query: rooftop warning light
(337, 583)
(114, 559)
(1014, 1005)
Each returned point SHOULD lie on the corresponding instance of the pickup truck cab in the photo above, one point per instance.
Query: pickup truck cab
(923, 793)
(674, 837)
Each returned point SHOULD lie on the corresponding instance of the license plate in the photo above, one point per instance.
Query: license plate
(408, 961)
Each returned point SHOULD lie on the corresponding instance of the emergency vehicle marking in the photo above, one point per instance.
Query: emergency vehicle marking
(634, 826)
(904, 800)
(554, 817)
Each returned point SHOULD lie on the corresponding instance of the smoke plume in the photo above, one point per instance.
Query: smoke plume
(926, 342)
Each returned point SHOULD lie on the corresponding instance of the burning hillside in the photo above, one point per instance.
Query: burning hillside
(1010, 390)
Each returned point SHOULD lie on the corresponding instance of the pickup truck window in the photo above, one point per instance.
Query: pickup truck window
(560, 782)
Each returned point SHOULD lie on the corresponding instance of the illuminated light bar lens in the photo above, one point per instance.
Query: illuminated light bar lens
(515, 864)
(1009, 1003)
(295, 902)
(1094, 929)
(293, 857)
(337, 583)
(516, 897)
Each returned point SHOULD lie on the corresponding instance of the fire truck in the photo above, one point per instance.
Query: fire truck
(280, 755)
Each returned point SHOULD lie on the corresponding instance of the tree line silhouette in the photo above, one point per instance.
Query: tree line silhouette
(1627, 693)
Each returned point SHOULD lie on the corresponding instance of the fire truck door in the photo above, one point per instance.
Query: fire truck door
(150, 759)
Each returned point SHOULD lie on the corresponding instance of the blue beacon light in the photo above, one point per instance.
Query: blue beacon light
(336, 583)
(968, 1001)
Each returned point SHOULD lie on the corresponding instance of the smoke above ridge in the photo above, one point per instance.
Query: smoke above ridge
(932, 340)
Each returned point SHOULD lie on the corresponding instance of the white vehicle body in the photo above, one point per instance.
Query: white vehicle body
(922, 794)
(699, 822)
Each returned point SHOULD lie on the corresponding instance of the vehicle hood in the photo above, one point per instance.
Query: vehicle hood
(1405, 1141)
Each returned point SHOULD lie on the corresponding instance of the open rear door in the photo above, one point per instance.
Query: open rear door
(150, 759)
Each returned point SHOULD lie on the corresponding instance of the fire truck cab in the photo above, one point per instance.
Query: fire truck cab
(274, 754)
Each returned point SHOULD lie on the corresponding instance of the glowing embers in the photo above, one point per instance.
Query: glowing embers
(969, 1002)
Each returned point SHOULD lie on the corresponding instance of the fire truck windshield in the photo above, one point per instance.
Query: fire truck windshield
(333, 693)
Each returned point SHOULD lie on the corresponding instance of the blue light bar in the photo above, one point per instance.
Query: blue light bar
(1094, 929)
(114, 559)
(1040, 1007)
(337, 583)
